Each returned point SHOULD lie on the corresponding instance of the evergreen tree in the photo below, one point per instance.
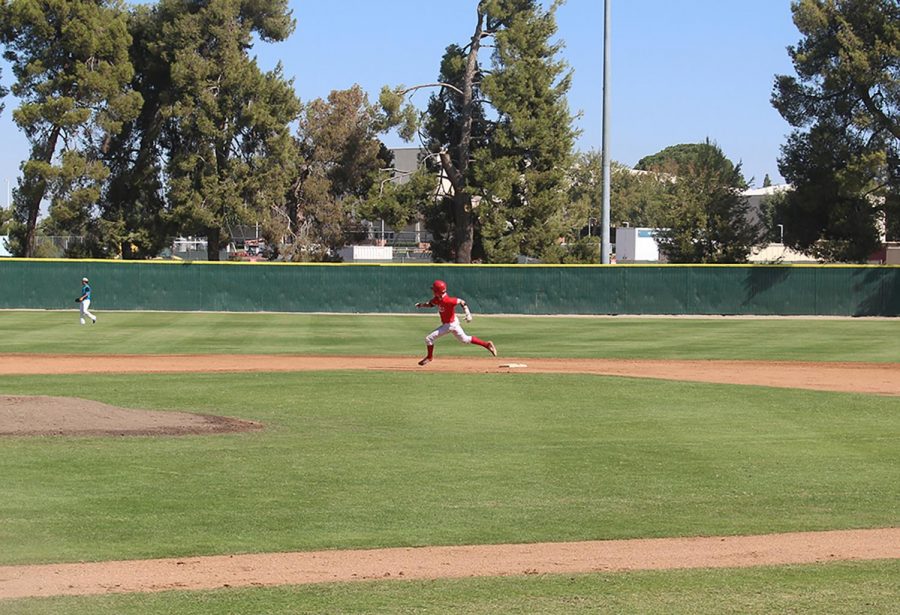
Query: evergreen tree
(706, 218)
(522, 171)
(226, 138)
(452, 127)
(503, 138)
(132, 220)
(843, 158)
(70, 60)
(455, 128)
(686, 156)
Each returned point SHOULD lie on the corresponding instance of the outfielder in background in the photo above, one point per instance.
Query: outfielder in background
(85, 301)
(449, 323)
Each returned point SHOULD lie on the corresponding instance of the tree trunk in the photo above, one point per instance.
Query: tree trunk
(213, 237)
(464, 223)
(464, 227)
(33, 196)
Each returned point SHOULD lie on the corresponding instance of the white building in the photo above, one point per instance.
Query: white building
(637, 245)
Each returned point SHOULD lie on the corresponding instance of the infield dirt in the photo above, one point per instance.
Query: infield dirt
(878, 378)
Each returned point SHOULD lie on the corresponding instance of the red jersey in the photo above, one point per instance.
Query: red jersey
(446, 306)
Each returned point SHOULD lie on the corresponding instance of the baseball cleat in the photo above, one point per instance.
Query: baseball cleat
(492, 348)
(425, 361)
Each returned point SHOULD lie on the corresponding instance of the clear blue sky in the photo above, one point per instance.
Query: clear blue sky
(682, 70)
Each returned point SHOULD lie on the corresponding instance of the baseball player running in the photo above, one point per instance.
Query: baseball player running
(449, 323)
(85, 301)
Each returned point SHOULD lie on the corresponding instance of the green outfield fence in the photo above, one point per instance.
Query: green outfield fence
(836, 290)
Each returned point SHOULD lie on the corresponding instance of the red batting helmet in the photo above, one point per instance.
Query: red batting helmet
(439, 287)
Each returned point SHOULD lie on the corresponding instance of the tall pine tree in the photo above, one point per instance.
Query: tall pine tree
(132, 220)
(523, 170)
(226, 136)
(503, 137)
(843, 158)
(456, 128)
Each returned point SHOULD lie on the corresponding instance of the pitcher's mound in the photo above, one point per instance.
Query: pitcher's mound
(69, 416)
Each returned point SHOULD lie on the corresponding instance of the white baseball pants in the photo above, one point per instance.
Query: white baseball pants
(85, 304)
(451, 327)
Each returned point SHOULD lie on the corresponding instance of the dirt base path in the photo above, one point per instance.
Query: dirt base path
(195, 573)
(879, 378)
(266, 569)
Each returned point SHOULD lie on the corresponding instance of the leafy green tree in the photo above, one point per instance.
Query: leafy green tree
(339, 160)
(636, 197)
(503, 138)
(6, 216)
(226, 136)
(771, 215)
(582, 208)
(70, 60)
(398, 200)
(844, 104)
(706, 219)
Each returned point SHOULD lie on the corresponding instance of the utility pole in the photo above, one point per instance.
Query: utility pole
(604, 225)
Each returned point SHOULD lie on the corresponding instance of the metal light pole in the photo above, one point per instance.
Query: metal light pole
(604, 241)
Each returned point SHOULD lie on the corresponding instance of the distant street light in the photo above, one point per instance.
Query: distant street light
(780, 233)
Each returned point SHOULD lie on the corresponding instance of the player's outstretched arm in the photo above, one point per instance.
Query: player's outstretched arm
(465, 307)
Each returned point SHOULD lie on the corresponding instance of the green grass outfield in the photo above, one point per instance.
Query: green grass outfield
(369, 459)
(813, 339)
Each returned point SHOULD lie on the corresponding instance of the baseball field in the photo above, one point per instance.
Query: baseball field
(302, 463)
